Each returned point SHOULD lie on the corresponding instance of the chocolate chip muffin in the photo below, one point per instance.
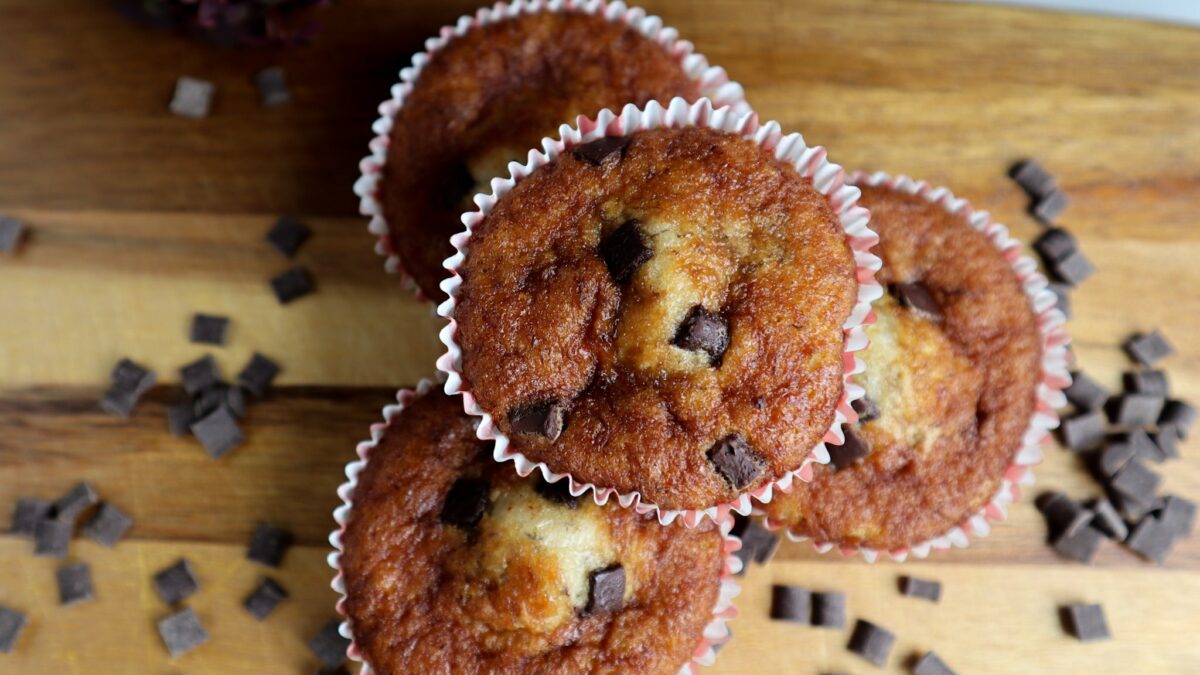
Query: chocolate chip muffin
(659, 313)
(951, 384)
(453, 563)
(488, 96)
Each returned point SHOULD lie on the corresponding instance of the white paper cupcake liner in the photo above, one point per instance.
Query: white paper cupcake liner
(713, 82)
(1055, 377)
(811, 162)
(715, 633)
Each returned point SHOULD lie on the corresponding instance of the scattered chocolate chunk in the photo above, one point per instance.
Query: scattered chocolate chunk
(624, 251)
(1083, 431)
(1153, 382)
(546, 418)
(1178, 414)
(108, 525)
(329, 645)
(182, 632)
(268, 544)
(457, 183)
(1166, 441)
(12, 623)
(176, 582)
(200, 375)
(76, 501)
(218, 433)
(1133, 508)
(829, 610)
(130, 381)
(871, 642)
(854, 449)
(291, 285)
(931, 664)
(1079, 544)
(1062, 295)
(11, 233)
(1107, 520)
(1049, 208)
(1114, 457)
(758, 543)
(866, 408)
(74, 584)
(791, 603)
(735, 461)
(1135, 410)
(1148, 348)
(704, 331)
(193, 98)
(1143, 447)
(264, 599)
(1055, 244)
(1151, 539)
(209, 329)
(559, 492)
(1085, 622)
(27, 514)
(921, 588)
(1033, 179)
(601, 150)
(119, 402)
(1084, 392)
(258, 375)
(1062, 514)
(916, 298)
(180, 418)
(219, 395)
(606, 590)
(1074, 269)
(287, 235)
(52, 537)
(1137, 481)
(272, 87)
(466, 502)
(1178, 515)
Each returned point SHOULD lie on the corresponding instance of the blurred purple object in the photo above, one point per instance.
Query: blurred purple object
(230, 22)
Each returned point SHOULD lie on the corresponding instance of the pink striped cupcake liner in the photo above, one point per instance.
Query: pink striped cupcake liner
(1050, 397)
(811, 162)
(715, 633)
(713, 82)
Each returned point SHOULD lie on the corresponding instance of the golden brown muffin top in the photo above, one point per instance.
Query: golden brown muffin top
(453, 563)
(491, 95)
(953, 384)
(661, 314)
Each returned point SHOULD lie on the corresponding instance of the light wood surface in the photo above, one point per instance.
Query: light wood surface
(140, 218)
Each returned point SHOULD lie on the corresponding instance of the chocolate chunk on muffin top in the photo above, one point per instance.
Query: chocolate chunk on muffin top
(663, 314)
(951, 377)
(453, 563)
(490, 95)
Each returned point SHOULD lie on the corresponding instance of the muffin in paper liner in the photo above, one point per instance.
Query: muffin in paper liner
(713, 82)
(1054, 378)
(811, 162)
(715, 633)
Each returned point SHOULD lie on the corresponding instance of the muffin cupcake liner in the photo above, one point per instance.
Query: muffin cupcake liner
(715, 633)
(1050, 397)
(713, 83)
(811, 162)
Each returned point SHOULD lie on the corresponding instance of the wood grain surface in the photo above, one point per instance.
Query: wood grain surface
(140, 218)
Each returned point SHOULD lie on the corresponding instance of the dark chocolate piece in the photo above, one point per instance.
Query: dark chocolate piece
(108, 525)
(1033, 179)
(758, 543)
(329, 645)
(1153, 382)
(291, 285)
(1083, 431)
(200, 375)
(921, 588)
(219, 395)
(559, 492)
(182, 632)
(272, 87)
(27, 514)
(1135, 410)
(76, 501)
(1072, 270)
(74, 584)
(457, 183)
(1085, 622)
(264, 599)
(466, 502)
(606, 590)
(1049, 208)
(1166, 442)
(866, 408)
(871, 642)
(128, 374)
(1114, 456)
(268, 544)
(1151, 539)
(1178, 515)
(916, 298)
(601, 150)
(1079, 544)
(176, 582)
(1148, 348)
(1143, 446)
(1137, 481)
(1055, 244)
(52, 537)
(703, 331)
(209, 329)
(735, 461)
(1062, 295)
(931, 664)
(1084, 392)
(258, 375)
(624, 251)
(287, 235)
(545, 418)
(1107, 520)
(829, 610)
(854, 449)
(218, 432)
(1180, 414)
(193, 97)
(129, 382)
(1063, 514)
(1133, 508)
(791, 603)
(12, 623)
(11, 233)
(180, 417)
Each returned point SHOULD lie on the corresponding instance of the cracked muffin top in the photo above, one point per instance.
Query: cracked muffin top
(454, 564)
(660, 313)
(951, 378)
(491, 95)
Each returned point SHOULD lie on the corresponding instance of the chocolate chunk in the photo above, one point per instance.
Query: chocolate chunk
(74, 584)
(1080, 544)
(606, 590)
(51, 537)
(329, 645)
(1055, 244)
(1033, 179)
(546, 418)
(1062, 295)
(601, 150)
(1153, 382)
(1085, 622)
(931, 664)
(1148, 348)
(235, 400)
(1166, 441)
(916, 298)
(457, 183)
(829, 610)
(1178, 515)
(1114, 457)
(108, 525)
(1179, 414)
(921, 588)
(866, 408)
(129, 382)
(209, 329)
(1133, 508)
(264, 599)
(268, 544)
(1083, 431)
(218, 432)
(1143, 447)
(1107, 520)
(624, 251)
(1137, 481)
(216, 396)
(704, 331)
(11, 233)
(200, 375)
(1151, 539)
(128, 374)
(854, 449)
(758, 543)
(180, 417)
(193, 98)
(1063, 515)
(466, 502)
(27, 514)
(288, 235)
(272, 87)
(1084, 392)
(176, 582)
(1135, 410)
(1049, 208)
(559, 492)
(12, 623)
(871, 642)
(76, 501)
(1072, 270)
(291, 285)
(182, 632)
(735, 461)
(791, 603)
(258, 375)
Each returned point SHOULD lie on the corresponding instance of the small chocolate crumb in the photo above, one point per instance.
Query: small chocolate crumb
(1085, 622)
(599, 151)
(545, 418)
(916, 298)
(606, 590)
(702, 330)
(624, 251)
(871, 642)
(1148, 348)
(735, 461)
(791, 603)
(466, 502)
